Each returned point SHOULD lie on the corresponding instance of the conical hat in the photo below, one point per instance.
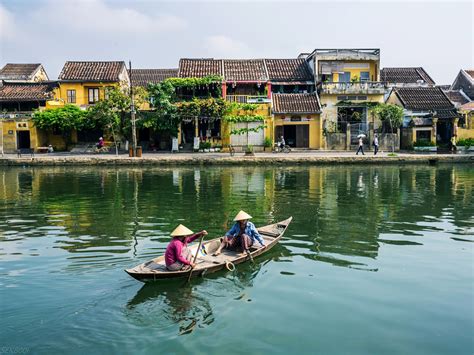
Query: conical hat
(242, 215)
(181, 231)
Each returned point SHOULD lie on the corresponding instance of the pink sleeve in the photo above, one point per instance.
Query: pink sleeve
(178, 250)
(193, 237)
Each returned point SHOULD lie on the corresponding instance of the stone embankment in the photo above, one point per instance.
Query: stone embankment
(183, 159)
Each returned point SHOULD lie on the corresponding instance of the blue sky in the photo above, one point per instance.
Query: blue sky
(155, 34)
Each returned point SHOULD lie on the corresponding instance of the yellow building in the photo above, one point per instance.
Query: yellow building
(17, 102)
(85, 83)
(296, 117)
(348, 82)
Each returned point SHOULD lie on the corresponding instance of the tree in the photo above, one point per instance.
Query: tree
(64, 119)
(391, 115)
(113, 112)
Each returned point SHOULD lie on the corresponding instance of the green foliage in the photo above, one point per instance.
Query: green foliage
(391, 114)
(165, 118)
(424, 143)
(210, 108)
(392, 154)
(64, 118)
(267, 142)
(194, 82)
(465, 142)
(204, 145)
(239, 131)
(243, 118)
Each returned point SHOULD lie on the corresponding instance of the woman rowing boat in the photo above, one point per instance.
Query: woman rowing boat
(178, 256)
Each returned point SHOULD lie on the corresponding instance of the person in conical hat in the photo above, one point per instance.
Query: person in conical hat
(242, 235)
(178, 256)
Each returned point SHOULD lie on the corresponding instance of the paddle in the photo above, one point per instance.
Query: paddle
(195, 257)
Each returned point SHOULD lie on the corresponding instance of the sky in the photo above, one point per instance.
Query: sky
(436, 35)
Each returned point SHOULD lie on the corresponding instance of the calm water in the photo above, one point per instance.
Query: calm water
(377, 260)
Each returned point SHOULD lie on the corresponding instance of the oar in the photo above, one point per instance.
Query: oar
(195, 257)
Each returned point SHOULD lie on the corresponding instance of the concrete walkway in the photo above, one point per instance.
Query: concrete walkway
(293, 158)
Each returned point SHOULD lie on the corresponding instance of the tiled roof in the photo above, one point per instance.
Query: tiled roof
(470, 72)
(245, 70)
(198, 68)
(92, 71)
(27, 91)
(456, 97)
(424, 98)
(296, 103)
(141, 77)
(405, 75)
(15, 71)
(288, 70)
(468, 107)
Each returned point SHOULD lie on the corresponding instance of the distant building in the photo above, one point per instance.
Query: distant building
(401, 77)
(464, 81)
(14, 72)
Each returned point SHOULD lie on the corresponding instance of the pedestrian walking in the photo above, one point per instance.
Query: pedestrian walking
(361, 146)
(376, 144)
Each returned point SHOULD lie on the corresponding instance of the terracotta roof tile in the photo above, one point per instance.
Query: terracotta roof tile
(470, 72)
(198, 68)
(27, 91)
(15, 71)
(141, 77)
(405, 75)
(427, 99)
(456, 97)
(296, 103)
(92, 71)
(288, 70)
(245, 70)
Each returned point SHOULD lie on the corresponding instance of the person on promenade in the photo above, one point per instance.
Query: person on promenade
(282, 143)
(101, 143)
(361, 146)
(241, 236)
(178, 256)
(376, 144)
(453, 144)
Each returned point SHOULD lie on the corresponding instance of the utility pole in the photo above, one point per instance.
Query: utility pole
(132, 113)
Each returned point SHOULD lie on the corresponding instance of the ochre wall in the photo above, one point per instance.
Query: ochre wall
(316, 139)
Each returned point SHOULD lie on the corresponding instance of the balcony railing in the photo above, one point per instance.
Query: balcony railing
(15, 114)
(248, 99)
(362, 87)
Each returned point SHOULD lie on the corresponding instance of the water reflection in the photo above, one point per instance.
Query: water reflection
(342, 215)
(186, 305)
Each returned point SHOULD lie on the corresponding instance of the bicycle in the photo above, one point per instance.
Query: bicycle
(277, 149)
(103, 149)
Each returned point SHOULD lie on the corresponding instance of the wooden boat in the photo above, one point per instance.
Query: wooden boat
(206, 263)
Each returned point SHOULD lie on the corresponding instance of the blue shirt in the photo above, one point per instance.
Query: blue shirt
(250, 230)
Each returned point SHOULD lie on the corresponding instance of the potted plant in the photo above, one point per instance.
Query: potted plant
(267, 144)
(424, 145)
(249, 150)
(466, 144)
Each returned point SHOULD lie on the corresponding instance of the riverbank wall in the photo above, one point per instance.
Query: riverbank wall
(225, 160)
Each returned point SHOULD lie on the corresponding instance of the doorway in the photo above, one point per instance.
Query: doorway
(23, 140)
(296, 136)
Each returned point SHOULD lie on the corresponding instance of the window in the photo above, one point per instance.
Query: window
(364, 76)
(93, 95)
(345, 77)
(71, 96)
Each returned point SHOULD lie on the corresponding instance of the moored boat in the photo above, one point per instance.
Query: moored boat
(155, 269)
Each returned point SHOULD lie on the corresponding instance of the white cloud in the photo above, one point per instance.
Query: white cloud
(220, 46)
(7, 24)
(94, 16)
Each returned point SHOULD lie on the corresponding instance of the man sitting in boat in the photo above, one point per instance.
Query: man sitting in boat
(241, 236)
(178, 256)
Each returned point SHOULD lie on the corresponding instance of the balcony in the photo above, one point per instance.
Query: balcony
(248, 99)
(362, 87)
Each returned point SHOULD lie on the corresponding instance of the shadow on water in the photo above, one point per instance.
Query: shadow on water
(186, 305)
